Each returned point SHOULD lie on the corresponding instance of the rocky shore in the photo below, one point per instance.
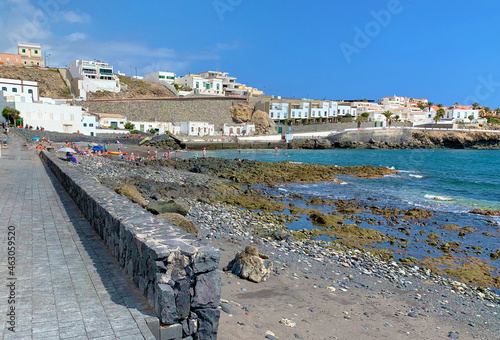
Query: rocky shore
(325, 292)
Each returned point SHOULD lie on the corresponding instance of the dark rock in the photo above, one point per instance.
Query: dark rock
(208, 322)
(207, 290)
(453, 335)
(251, 265)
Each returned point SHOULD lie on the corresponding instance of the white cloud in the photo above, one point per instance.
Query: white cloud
(73, 17)
(76, 36)
(228, 46)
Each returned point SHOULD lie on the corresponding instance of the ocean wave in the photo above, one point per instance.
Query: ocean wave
(439, 198)
(416, 176)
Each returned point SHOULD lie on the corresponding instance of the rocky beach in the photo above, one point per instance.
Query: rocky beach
(317, 289)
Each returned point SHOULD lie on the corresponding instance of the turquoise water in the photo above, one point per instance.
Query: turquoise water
(447, 182)
(460, 179)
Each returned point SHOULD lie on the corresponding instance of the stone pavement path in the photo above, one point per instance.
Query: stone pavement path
(64, 283)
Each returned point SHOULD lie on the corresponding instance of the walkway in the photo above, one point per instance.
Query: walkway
(64, 283)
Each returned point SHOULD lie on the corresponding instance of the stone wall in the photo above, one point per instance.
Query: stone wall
(212, 110)
(174, 269)
(79, 138)
(367, 136)
(300, 128)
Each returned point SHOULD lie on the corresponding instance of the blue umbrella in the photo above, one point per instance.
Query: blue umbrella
(35, 138)
(97, 148)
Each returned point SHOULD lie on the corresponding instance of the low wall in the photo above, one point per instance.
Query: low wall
(174, 269)
(379, 135)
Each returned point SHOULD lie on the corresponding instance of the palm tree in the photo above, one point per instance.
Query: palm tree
(471, 117)
(439, 105)
(441, 112)
(475, 106)
(388, 118)
(429, 105)
(437, 118)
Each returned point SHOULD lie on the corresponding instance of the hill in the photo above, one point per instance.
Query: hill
(49, 80)
(134, 88)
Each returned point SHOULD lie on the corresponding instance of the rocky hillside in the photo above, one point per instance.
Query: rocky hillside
(49, 80)
(456, 139)
(246, 113)
(134, 88)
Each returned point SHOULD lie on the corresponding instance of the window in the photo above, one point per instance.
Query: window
(14, 90)
(197, 85)
(36, 51)
(4, 89)
(272, 115)
(91, 125)
(24, 50)
(84, 124)
(30, 91)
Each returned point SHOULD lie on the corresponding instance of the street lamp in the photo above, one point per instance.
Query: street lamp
(47, 61)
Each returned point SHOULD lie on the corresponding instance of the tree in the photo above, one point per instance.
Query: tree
(436, 118)
(388, 118)
(361, 118)
(471, 117)
(421, 105)
(475, 106)
(11, 114)
(440, 112)
(429, 105)
(129, 126)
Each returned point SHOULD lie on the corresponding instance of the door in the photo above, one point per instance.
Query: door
(114, 124)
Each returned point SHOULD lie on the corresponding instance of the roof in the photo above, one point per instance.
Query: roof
(109, 115)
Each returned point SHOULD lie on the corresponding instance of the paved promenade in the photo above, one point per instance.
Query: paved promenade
(61, 282)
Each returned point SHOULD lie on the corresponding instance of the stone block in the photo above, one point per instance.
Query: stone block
(171, 332)
(207, 290)
(208, 320)
(206, 260)
(165, 304)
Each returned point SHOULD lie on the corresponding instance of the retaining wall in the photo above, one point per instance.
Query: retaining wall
(174, 269)
(211, 110)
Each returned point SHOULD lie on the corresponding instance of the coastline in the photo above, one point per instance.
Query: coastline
(411, 299)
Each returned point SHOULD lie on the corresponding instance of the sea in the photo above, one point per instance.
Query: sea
(450, 183)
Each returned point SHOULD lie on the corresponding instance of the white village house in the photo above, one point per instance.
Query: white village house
(48, 114)
(93, 76)
(160, 127)
(238, 129)
(197, 128)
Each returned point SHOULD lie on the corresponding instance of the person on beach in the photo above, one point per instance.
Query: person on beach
(156, 154)
(175, 154)
(149, 155)
(132, 157)
(169, 157)
(195, 156)
(165, 155)
(204, 152)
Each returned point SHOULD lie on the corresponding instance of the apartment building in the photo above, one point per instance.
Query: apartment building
(161, 77)
(17, 87)
(93, 76)
(31, 54)
(10, 59)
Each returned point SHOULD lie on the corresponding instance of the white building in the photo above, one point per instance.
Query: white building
(89, 124)
(93, 76)
(16, 86)
(229, 85)
(346, 109)
(50, 116)
(197, 128)
(239, 129)
(279, 111)
(202, 86)
(461, 113)
(300, 111)
(110, 120)
(160, 127)
(161, 77)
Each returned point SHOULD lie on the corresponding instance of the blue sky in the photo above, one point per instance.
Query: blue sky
(446, 51)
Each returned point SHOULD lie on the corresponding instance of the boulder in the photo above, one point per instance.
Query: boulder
(251, 265)
(172, 206)
(263, 123)
(181, 222)
(241, 113)
(132, 194)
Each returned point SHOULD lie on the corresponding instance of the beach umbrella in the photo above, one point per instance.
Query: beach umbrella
(35, 138)
(97, 148)
(66, 150)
